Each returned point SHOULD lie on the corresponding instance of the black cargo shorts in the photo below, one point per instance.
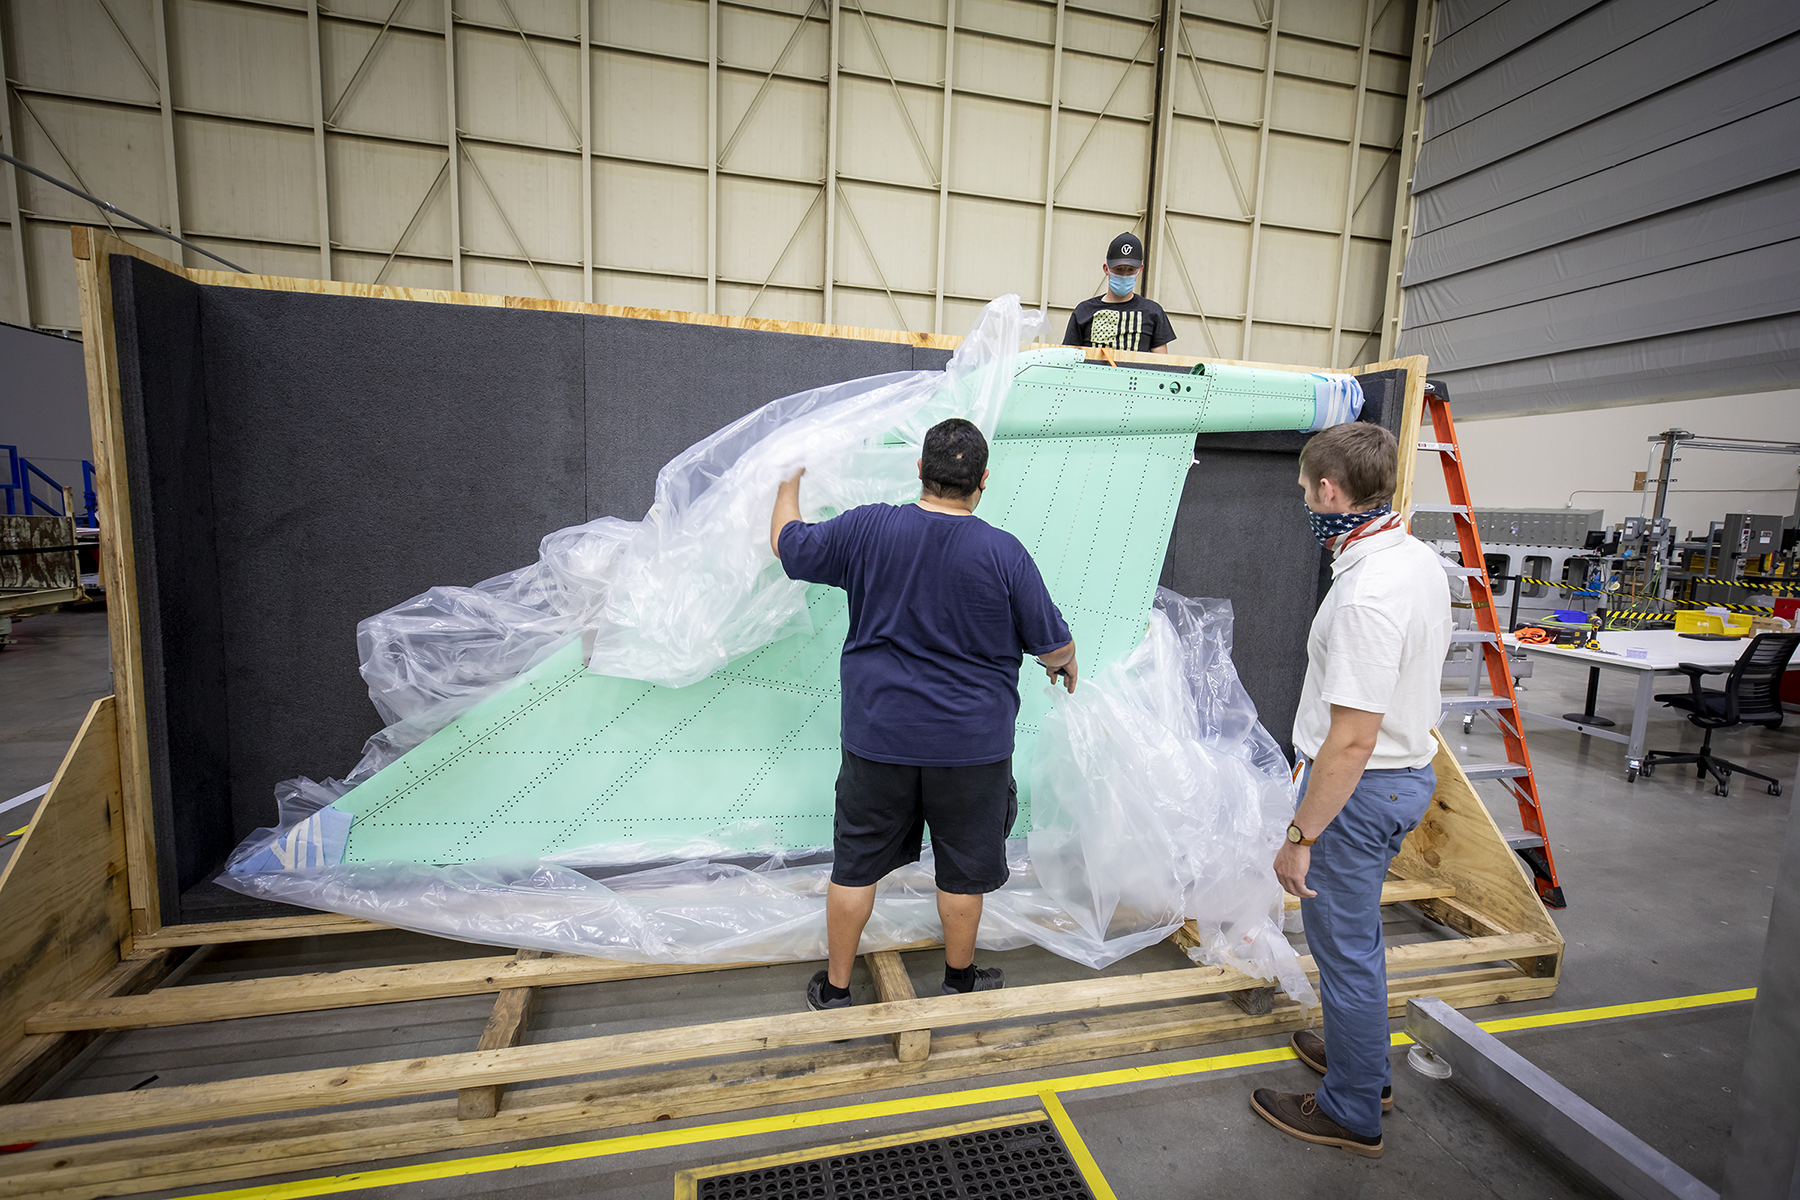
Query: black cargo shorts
(883, 810)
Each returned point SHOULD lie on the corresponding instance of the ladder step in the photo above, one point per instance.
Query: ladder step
(1523, 841)
(1444, 447)
(1499, 770)
(1465, 572)
(1475, 703)
(1449, 508)
(1459, 637)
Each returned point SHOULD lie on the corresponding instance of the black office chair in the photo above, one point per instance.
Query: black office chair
(1752, 696)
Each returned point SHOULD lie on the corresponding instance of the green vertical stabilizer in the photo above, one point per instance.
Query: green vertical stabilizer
(1087, 468)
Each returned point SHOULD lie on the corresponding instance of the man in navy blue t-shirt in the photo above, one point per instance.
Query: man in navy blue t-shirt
(943, 608)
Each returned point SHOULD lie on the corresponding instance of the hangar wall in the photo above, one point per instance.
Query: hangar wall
(1606, 206)
(714, 155)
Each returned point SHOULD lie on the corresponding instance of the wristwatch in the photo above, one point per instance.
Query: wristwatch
(1298, 838)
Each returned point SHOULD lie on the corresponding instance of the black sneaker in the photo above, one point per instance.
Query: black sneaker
(1309, 1048)
(987, 979)
(815, 994)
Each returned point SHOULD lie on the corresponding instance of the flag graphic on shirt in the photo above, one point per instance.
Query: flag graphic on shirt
(1116, 330)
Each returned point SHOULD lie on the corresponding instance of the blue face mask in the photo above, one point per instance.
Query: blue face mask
(1120, 285)
(1326, 526)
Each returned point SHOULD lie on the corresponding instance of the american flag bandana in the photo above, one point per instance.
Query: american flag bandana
(1335, 531)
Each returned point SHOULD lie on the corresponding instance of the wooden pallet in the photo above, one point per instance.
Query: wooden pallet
(82, 948)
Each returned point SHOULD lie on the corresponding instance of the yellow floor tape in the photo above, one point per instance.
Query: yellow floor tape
(1046, 1091)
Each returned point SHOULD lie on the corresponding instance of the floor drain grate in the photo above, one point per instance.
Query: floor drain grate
(986, 1161)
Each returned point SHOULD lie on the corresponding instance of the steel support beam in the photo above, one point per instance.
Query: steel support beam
(166, 99)
(587, 160)
(323, 190)
(1350, 165)
(454, 147)
(831, 158)
(712, 156)
(1050, 155)
(1424, 19)
(1577, 1132)
(14, 202)
(943, 168)
(1162, 133)
(1262, 174)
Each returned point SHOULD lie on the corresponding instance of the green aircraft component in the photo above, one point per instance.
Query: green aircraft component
(1087, 467)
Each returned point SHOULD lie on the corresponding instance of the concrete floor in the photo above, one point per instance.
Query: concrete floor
(1668, 887)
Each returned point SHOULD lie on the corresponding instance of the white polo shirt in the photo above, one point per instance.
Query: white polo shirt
(1378, 644)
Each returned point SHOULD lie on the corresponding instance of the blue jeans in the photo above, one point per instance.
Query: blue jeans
(1343, 931)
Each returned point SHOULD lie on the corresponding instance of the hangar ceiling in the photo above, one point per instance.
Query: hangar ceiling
(715, 155)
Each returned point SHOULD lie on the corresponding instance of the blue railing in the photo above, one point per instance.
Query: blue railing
(20, 500)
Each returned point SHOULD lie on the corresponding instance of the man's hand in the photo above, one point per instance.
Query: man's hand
(787, 508)
(1061, 663)
(1292, 862)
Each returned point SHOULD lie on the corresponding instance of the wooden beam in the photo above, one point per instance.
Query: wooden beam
(893, 984)
(36, 1059)
(106, 419)
(182, 1104)
(336, 1138)
(1399, 891)
(63, 907)
(200, 1002)
(257, 929)
(506, 1027)
(1459, 844)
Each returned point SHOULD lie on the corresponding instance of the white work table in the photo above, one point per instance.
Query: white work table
(1665, 651)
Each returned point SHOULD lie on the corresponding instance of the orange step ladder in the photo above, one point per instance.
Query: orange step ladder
(1533, 844)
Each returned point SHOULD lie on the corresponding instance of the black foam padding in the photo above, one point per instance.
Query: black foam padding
(168, 447)
(654, 388)
(367, 450)
(1384, 398)
(1241, 534)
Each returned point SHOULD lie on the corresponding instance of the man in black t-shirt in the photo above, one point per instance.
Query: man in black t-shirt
(943, 609)
(1119, 318)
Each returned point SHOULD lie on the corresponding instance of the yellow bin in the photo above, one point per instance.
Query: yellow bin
(1694, 621)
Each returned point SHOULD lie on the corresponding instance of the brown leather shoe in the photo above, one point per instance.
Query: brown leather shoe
(1309, 1048)
(1300, 1116)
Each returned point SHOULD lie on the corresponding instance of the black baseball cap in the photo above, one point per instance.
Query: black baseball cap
(1126, 250)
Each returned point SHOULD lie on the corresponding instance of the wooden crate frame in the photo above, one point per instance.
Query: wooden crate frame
(82, 944)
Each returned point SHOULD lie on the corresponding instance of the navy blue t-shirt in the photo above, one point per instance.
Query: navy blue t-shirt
(942, 611)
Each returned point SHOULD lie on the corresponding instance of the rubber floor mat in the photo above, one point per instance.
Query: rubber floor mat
(1019, 1162)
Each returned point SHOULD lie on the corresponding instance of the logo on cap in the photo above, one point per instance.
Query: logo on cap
(1125, 249)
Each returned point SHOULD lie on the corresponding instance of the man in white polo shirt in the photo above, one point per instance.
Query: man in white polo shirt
(1371, 698)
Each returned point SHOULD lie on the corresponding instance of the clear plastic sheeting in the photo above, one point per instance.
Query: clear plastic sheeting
(1157, 795)
(1161, 798)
